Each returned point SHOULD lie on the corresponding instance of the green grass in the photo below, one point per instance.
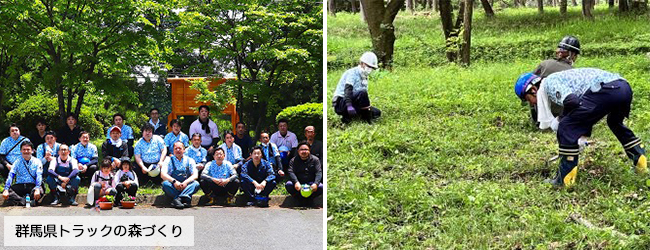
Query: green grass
(454, 162)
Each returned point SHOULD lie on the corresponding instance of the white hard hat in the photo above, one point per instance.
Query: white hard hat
(154, 170)
(370, 59)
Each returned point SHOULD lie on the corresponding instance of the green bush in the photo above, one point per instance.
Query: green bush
(46, 107)
(303, 115)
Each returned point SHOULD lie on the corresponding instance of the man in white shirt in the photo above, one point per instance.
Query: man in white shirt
(208, 130)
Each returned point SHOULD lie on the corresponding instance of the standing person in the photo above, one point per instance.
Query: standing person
(257, 179)
(150, 152)
(271, 153)
(25, 178)
(233, 151)
(219, 178)
(286, 141)
(175, 135)
(179, 174)
(62, 178)
(102, 182)
(159, 128)
(49, 150)
(86, 154)
(115, 148)
(587, 95)
(10, 149)
(208, 130)
(305, 169)
(196, 152)
(69, 133)
(351, 94)
(243, 140)
(125, 130)
(316, 146)
(127, 181)
(38, 137)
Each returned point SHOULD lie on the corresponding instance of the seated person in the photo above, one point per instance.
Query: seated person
(233, 151)
(86, 155)
(174, 136)
(62, 178)
(196, 152)
(28, 174)
(125, 130)
(115, 148)
(286, 141)
(271, 153)
(219, 178)
(303, 169)
(49, 150)
(127, 181)
(150, 152)
(180, 174)
(316, 146)
(10, 149)
(69, 134)
(351, 95)
(257, 179)
(102, 182)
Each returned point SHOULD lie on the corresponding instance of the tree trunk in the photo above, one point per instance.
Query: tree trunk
(436, 5)
(574, 3)
(446, 17)
(611, 4)
(563, 7)
(623, 6)
(540, 6)
(331, 7)
(354, 6)
(586, 9)
(409, 6)
(488, 9)
(380, 22)
(362, 12)
(467, 32)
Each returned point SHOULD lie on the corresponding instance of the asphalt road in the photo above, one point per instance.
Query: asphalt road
(247, 228)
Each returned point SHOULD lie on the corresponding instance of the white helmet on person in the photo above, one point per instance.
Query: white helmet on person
(369, 59)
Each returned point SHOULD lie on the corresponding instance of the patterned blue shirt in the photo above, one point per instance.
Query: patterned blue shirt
(40, 151)
(576, 81)
(149, 151)
(127, 132)
(180, 169)
(223, 171)
(352, 77)
(79, 151)
(274, 152)
(233, 154)
(171, 138)
(199, 156)
(26, 172)
(7, 144)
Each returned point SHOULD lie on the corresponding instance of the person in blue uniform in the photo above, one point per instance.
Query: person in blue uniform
(62, 178)
(180, 174)
(351, 95)
(196, 152)
(25, 178)
(10, 149)
(219, 179)
(150, 153)
(86, 154)
(174, 136)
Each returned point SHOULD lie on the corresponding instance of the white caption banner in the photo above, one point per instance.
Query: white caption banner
(99, 230)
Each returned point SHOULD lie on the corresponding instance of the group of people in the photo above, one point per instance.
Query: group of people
(181, 164)
(570, 101)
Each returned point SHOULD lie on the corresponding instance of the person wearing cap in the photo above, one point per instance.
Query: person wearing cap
(25, 178)
(69, 133)
(179, 174)
(586, 95)
(149, 151)
(219, 178)
(316, 146)
(305, 169)
(63, 178)
(208, 130)
(566, 54)
(351, 94)
(175, 135)
(271, 153)
(86, 154)
(115, 148)
(126, 131)
(257, 179)
(10, 149)
(159, 128)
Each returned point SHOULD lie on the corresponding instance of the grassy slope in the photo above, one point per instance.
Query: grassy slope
(455, 163)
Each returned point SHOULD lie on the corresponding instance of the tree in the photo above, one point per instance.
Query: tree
(331, 7)
(488, 8)
(274, 48)
(586, 8)
(380, 19)
(540, 6)
(467, 32)
(563, 7)
(623, 6)
(76, 44)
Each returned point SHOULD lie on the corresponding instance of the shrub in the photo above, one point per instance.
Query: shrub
(303, 115)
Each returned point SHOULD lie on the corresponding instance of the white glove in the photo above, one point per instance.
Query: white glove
(554, 124)
(582, 143)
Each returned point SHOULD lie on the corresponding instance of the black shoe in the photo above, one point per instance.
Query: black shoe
(176, 203)
(55, 202)
(187, 202)
(263, 203)
(250, 203)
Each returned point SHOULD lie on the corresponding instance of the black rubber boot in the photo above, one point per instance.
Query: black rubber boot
(567, 172)
(639, 159)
